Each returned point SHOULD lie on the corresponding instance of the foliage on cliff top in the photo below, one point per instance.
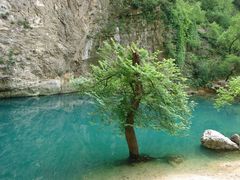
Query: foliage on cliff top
(207, 30)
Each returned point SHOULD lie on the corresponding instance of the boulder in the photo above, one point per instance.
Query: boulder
(235, 138)
(215, 140)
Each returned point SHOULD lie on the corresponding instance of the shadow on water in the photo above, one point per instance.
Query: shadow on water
(53, 138)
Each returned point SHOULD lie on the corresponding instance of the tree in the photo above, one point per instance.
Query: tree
(131, 86)
(219, 11)
(230, 38)
(228, 94)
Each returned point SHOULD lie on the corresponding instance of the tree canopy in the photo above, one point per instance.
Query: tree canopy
(164, 102)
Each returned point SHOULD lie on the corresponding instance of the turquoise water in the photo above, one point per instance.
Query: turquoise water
(54, 138)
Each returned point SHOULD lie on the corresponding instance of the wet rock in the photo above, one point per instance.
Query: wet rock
(201, 91)
(235, 138)
(215, 140)
(218, 84)
(52, 86)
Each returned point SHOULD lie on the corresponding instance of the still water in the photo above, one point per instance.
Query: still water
(55, 138)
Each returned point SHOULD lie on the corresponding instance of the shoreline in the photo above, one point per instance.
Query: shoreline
(224, 169)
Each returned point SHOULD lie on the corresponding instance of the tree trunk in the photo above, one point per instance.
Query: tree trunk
(135, 101)
(132, 143)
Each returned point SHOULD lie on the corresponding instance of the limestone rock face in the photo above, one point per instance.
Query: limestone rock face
(215, 140)
(45, 42)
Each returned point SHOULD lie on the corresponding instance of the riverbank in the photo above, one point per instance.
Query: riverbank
(189, 170)
(60, 87)
(229, 170)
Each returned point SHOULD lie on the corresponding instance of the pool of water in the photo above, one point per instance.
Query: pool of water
(55, 138)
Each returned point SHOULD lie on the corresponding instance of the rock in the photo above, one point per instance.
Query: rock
(174, 159)
(48, 87)
(200, 91)
(4, 7)
(235, 138)
(218, 84)
(215, 140)
(42, 49)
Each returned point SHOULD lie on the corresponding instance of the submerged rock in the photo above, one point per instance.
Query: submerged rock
(235, 138)
(174, 159)
(215, 140)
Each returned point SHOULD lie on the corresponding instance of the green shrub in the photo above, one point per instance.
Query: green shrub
(24, 23)
(4, 15)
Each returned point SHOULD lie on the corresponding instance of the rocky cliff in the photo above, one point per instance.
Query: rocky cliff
(44, 42)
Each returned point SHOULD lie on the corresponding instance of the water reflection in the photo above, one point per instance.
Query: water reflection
(51, 137)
